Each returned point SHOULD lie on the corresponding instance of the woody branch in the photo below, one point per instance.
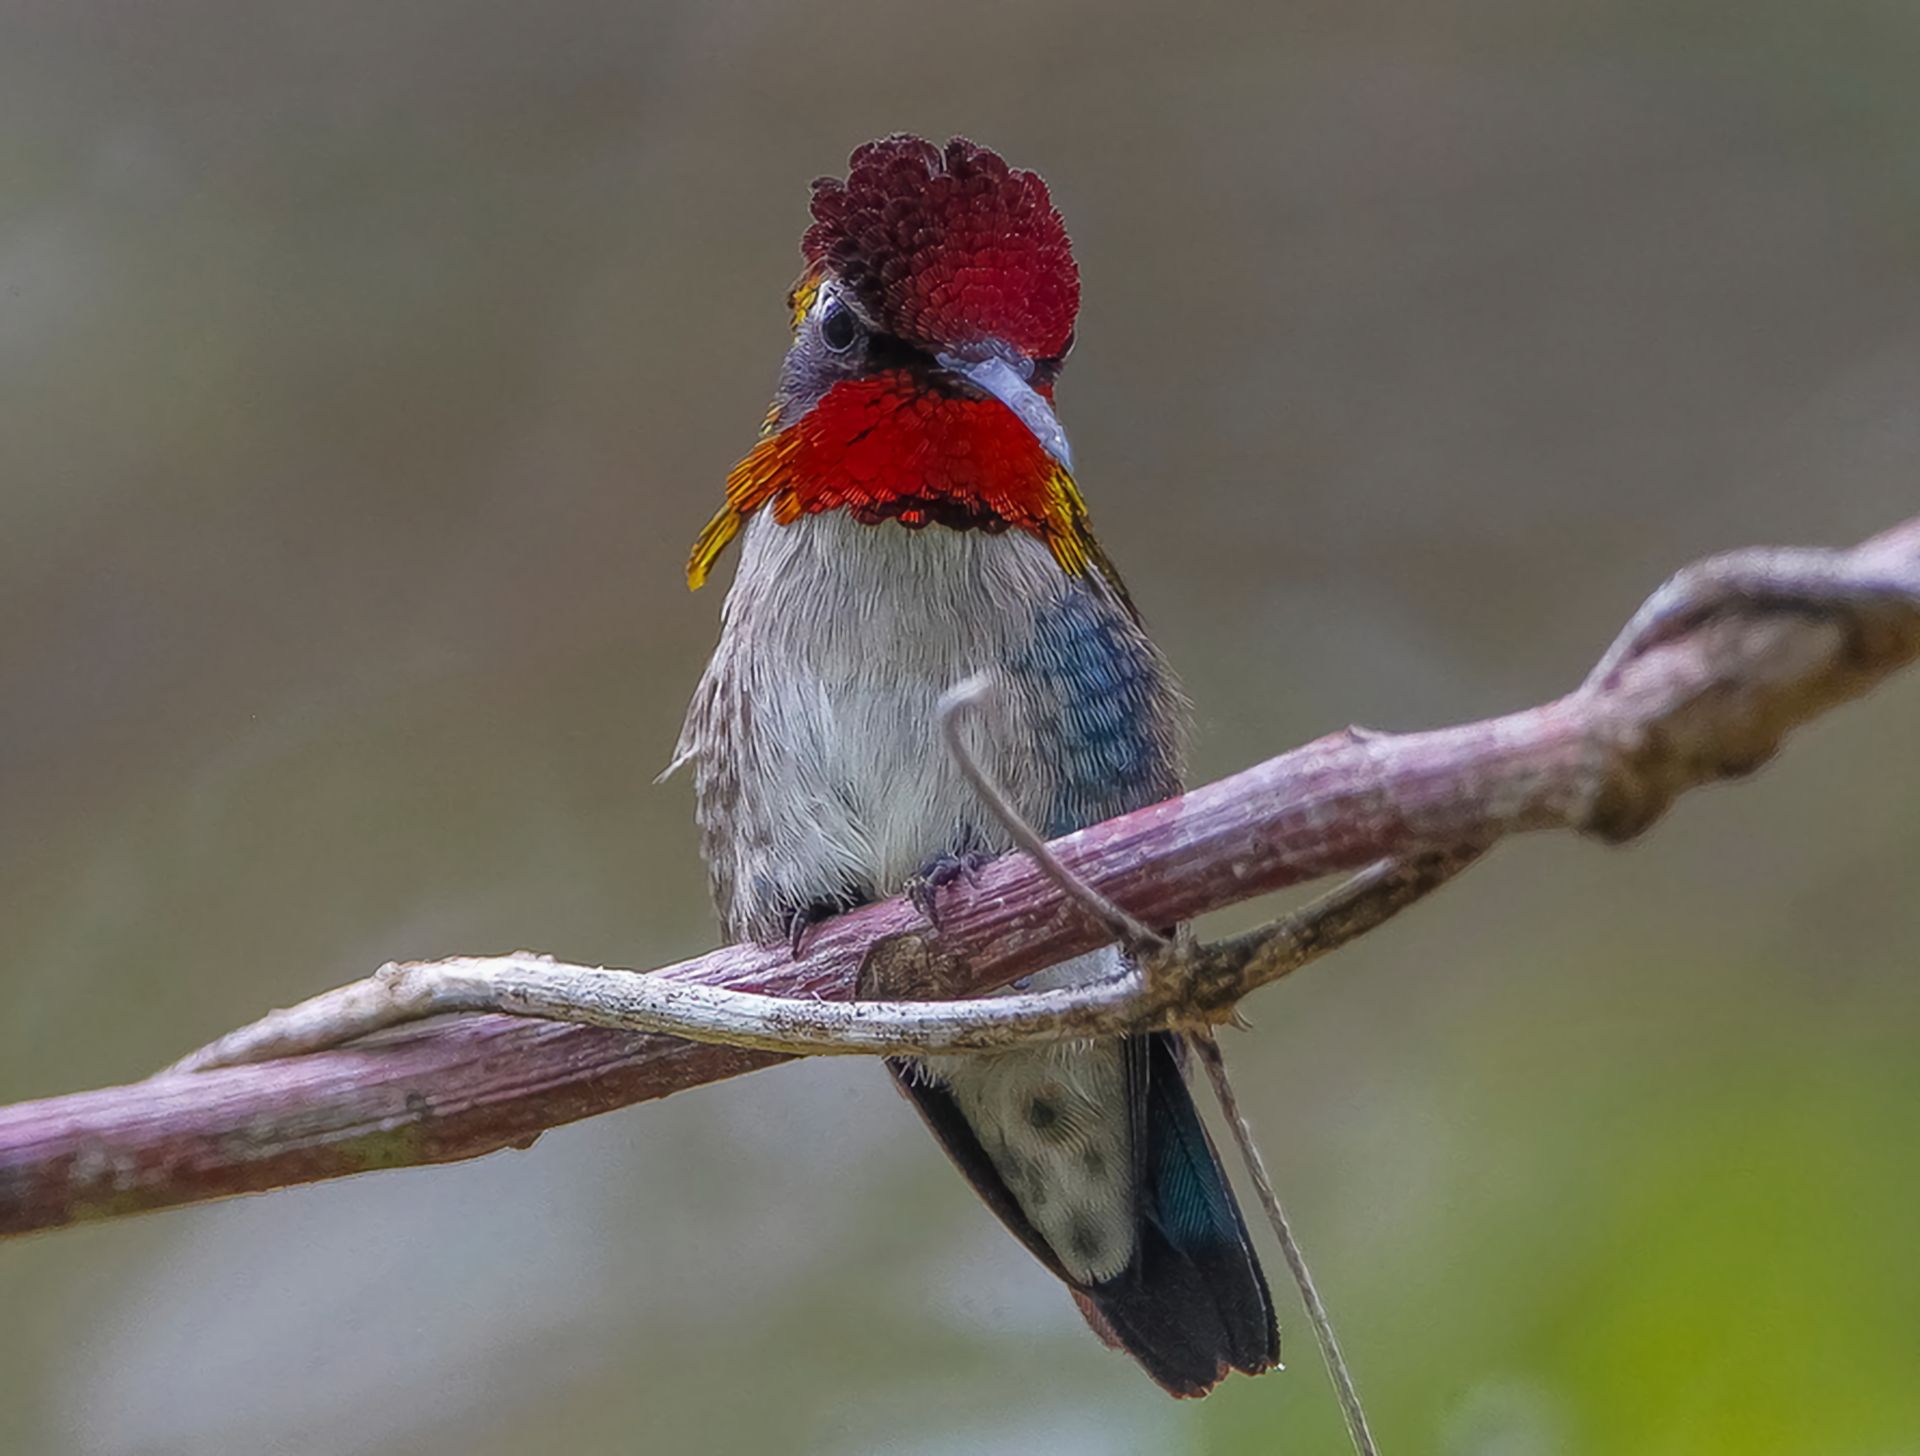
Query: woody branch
(1702, 685)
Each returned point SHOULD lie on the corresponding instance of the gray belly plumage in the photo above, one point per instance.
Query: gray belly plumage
(821, 780)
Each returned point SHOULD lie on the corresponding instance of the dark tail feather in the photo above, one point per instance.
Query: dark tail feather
(1193, 1304)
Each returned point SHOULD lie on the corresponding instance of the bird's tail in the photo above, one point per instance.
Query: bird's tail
(1191, 1304)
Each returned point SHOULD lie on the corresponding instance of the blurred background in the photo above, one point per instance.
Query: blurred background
(365, 372)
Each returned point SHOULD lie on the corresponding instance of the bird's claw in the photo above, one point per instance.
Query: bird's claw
(923, 889)
(802, 921)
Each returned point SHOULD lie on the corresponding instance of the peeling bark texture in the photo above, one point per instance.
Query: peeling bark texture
(1702, 685)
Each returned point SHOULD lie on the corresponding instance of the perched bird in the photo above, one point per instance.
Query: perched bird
(909, 519)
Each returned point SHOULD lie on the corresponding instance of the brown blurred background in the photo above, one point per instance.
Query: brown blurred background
(364, 373)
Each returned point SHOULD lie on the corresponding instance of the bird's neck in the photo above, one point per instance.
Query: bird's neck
(886, 447)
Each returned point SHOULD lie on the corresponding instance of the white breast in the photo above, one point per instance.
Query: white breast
(814, 735)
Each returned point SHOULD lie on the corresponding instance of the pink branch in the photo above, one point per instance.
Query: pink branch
(1730, 657)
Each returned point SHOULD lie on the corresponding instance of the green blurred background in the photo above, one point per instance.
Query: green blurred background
(365, 371)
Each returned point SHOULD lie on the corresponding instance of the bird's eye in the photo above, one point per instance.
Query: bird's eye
(839, 328)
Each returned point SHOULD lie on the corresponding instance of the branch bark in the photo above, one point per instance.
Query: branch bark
(1703, 685)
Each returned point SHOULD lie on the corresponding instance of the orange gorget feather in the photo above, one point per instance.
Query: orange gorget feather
(886, 447)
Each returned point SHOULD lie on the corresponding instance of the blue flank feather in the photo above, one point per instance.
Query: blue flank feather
(1115, 748)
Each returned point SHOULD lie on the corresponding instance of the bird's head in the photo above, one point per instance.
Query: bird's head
(933, 317)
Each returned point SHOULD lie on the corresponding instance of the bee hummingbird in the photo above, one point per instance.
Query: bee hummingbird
(909, 519)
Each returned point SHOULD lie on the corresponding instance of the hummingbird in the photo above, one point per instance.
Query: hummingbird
(910, 519)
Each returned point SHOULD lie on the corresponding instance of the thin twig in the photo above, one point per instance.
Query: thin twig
(1180, 985)
(1351, 1410)
(954, 705)
(1273, 946)
(1368, 897)
(526, 985)
(1221, 973)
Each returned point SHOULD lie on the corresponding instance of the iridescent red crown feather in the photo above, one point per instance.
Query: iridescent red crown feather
(948, 247)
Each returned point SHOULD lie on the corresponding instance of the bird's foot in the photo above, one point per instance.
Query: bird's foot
(804, 919)
(923, 888)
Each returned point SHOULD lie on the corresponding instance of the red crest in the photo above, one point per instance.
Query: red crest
(946, 248)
